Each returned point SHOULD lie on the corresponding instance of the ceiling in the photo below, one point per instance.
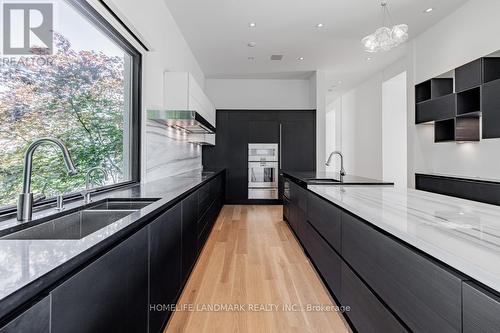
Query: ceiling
(218, 33)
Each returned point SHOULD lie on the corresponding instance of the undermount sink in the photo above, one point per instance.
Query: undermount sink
(72, 226)
(81, 223)
(322, 180)
(113, 204)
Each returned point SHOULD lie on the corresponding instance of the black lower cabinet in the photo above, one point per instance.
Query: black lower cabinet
(109, 295)
(34, 320)
(481, 310)
(165, 248)
(366, 312)
(424, 294)
(327, 262)
(133, 286)
(189, 234)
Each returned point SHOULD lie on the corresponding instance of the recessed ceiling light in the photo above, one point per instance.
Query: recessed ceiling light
(252, 25)
(252, 44)
(320, 25)
(301, 58)
(369, 59)
(428, 10)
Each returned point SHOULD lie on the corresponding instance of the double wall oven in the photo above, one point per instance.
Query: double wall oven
(263, 169)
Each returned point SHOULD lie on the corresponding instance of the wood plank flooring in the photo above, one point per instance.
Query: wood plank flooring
(253, 261)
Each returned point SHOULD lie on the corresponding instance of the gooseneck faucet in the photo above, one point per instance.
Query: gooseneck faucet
(329, 162)
(25, 201)
(88, 191)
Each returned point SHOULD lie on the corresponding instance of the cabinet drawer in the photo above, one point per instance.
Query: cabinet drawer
(204, 198)
(324, 257)
(367, 313)
(423, 293)
(481, 309)
(326, 218)
(286, 208)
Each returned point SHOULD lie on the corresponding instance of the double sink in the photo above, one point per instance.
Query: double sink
(78, 224)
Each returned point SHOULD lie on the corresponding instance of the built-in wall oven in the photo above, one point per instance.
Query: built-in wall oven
(263, 163)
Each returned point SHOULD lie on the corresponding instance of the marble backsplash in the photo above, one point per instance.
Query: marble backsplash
(168, 152)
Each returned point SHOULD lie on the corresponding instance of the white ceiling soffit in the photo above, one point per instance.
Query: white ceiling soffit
(218, 32)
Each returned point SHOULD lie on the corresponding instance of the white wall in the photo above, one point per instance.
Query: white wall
(360, 125)
(361, 129)
(153, 22)
(318, 85)
(394, 137)
(467, 34)
(259, 94)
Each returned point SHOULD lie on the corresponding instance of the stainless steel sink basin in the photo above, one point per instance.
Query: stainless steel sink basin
(72, 226)
(112, 204)
(322, 180)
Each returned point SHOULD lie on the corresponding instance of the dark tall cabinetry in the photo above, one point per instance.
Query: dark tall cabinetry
(294, 130)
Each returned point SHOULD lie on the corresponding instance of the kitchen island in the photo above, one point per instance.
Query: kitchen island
(402, 259)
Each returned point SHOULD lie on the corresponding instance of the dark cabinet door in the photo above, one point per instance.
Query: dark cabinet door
(424, 294)
(164, 264)
(301, 212)
(296, 215)
(491, 110)
(189, 233)
(468, 76)
(298, 144)
(263, 131)
(109, 295)
(237, 157)
(34, 320)
(323, 256)
(366, 312)
(481, 310)
(326, 218)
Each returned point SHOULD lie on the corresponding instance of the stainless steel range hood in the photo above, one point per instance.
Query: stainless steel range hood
(189, 121)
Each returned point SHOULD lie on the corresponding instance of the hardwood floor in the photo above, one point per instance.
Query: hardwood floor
(252, 259)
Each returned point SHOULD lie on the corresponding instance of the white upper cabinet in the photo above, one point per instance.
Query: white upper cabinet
(183, 93)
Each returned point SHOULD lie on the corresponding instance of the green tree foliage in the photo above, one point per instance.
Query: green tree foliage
(76, 96)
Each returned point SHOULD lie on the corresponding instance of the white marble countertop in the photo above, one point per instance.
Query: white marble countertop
(461, 233)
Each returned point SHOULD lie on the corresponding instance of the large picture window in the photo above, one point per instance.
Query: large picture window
(86, 93)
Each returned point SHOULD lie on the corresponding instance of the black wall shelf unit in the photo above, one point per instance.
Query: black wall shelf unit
(469, 101)
(457, 115)
(433, 88)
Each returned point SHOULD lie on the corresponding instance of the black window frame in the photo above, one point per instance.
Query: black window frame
(104, 26)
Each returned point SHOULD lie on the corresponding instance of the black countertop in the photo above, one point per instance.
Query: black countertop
(304, 178)
(31, 268)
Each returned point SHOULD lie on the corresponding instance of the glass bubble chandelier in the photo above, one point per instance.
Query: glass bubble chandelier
(384, 38)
